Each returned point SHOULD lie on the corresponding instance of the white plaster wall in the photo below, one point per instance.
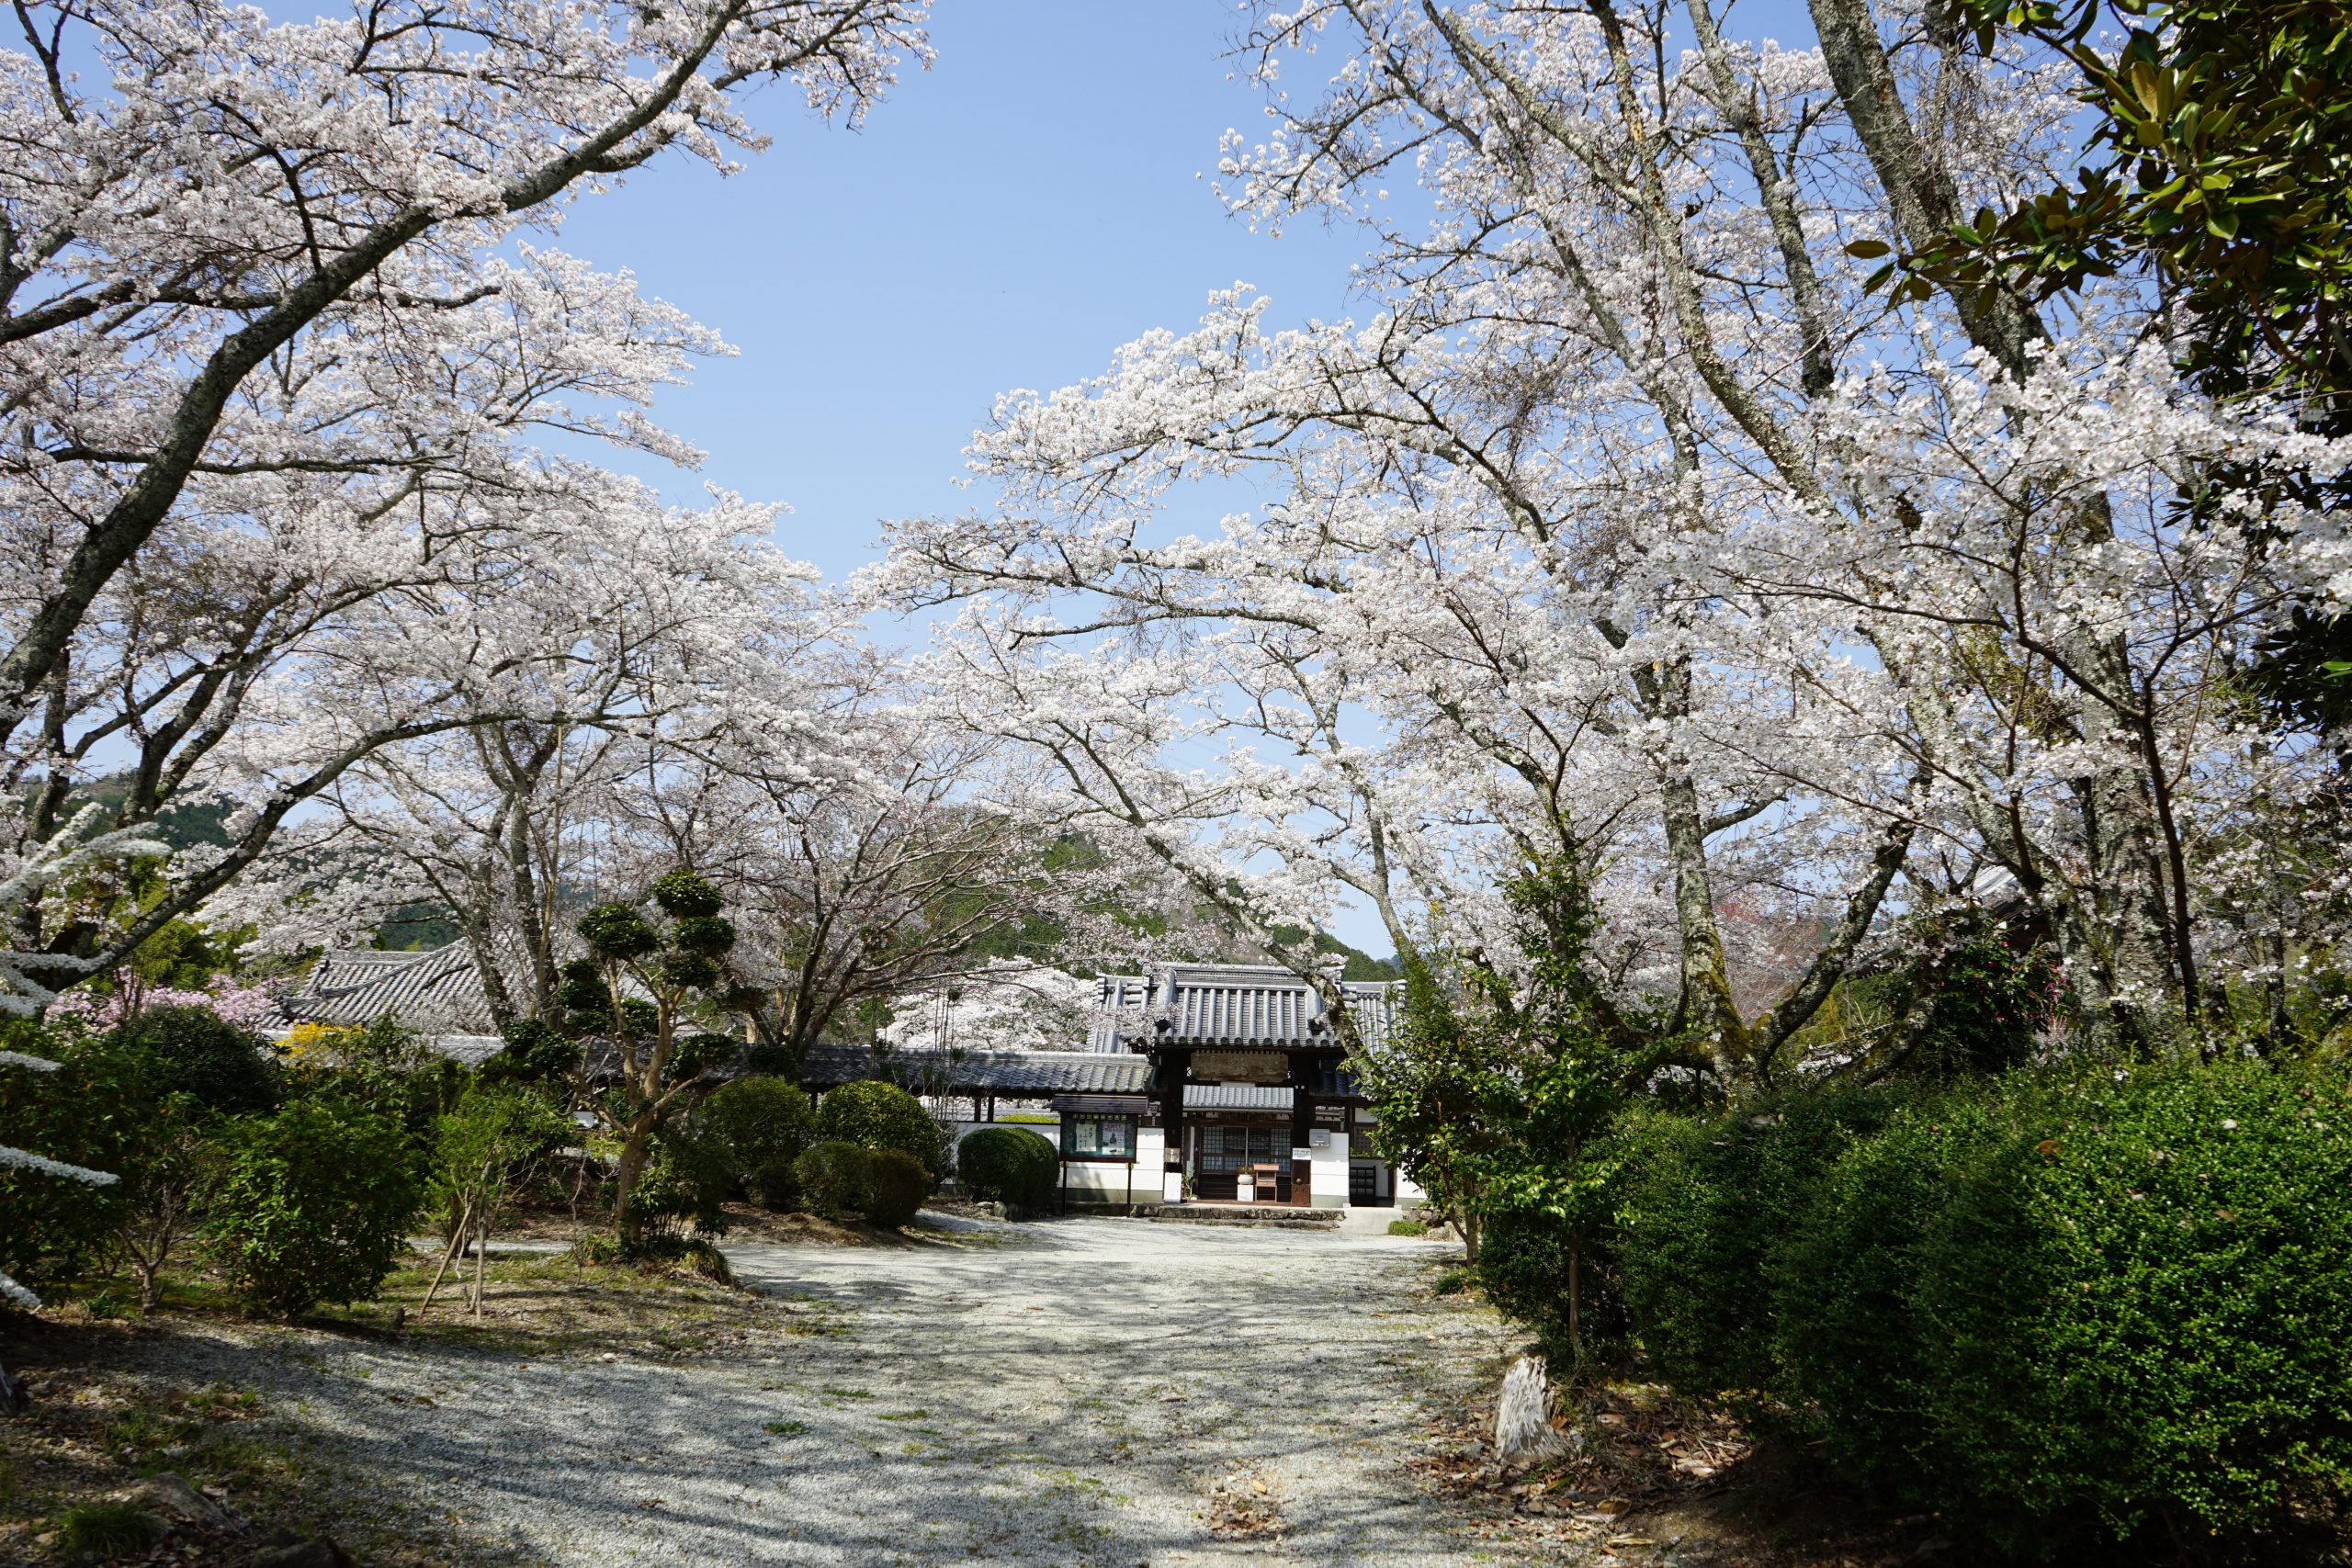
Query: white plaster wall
(1330, 1173)
(1410, 1195)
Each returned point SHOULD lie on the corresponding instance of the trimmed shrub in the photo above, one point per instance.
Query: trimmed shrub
(1525, 1259)
(835, 1177)
(220, 1066)
(882, 1116)
(896, 1185)
(311, 1206)
(2061, 1311)
(1010, 1166)
(683, 1186)
(761, 1124)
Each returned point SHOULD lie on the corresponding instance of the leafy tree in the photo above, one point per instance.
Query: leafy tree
(761, 1124)
(672, 964)
(196, 1052)
(1496, 1092)
(485, 1147)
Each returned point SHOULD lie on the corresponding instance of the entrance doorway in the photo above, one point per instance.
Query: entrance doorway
(1221, 1153)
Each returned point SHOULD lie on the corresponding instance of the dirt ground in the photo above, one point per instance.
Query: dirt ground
(1084, 1392)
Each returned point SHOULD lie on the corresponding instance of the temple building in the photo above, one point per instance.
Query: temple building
(1210, 1084)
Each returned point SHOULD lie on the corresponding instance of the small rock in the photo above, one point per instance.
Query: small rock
(170, 1496)
(318, 1554)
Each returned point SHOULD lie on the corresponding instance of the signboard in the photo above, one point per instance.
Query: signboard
(1240, 1066)
(1098, 1137)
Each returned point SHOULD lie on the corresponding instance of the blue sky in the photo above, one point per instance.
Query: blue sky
(1011, 216)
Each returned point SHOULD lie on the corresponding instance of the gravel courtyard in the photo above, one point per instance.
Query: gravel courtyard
(1098, 1392)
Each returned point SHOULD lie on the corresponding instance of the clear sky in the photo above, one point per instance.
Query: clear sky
(1040, 196)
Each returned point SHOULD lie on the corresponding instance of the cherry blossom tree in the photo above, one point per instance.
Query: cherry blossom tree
(274, 348)
(1631, 526)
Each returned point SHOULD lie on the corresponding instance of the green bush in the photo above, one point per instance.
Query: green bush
(835, 1177)
(1009, 1165)
(683, 1187)
(882, 1116)
(2059, 1311)
(761, 1124)
(93, 1110)
(1524, 1261)
(896, 1185)
(1705, 1203)
(196, 1054)
(311, 1205)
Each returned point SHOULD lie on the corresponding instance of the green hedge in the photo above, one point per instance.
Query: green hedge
(1009, 1165)
(2063, 1312)
(882, 1116)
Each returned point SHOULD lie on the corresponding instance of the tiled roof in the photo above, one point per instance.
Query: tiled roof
(1234, 1097)
(1225, 1005)
(982, 1072)
(437, 991)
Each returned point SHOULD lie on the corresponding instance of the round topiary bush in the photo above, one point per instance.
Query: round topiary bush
(310, 1205)
(882, 1116)
(835, 1177)
(761, 1124)
(895, 1186)
(1009, 1165)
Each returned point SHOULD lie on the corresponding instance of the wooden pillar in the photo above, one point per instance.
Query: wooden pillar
(1174, 1068)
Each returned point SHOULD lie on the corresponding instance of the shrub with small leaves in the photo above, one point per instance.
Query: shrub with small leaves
(883, 1116)
(835, 1177)
(686, 895)
(896, 1185)
(311, 1205)
(1008, 1166)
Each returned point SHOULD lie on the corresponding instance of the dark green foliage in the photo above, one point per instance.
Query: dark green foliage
(761, 1125)
(686, 895)
(92, 1112)
(896, 1185)
(196, 1053)
(1499, 1096)
(1008, 1166)
(685, 1185)
(835, 1177)
(1993, 997)
(311, 1205)
(882, 1116)
(703, 933)
(687, 971)
(1706, 1202)
(618, 931)
(585, 1000)
(696, 1053)
(1527, 1257)
(534, 1052)
(2059, 1311)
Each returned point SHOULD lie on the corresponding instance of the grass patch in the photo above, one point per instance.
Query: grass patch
(785, 1428)
(850, 1392)
(102, 1531)
(906, 1415)
(1451, 1282)
(1407, 1227)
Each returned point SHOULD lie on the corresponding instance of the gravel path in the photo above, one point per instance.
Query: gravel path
(1072, 1393)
